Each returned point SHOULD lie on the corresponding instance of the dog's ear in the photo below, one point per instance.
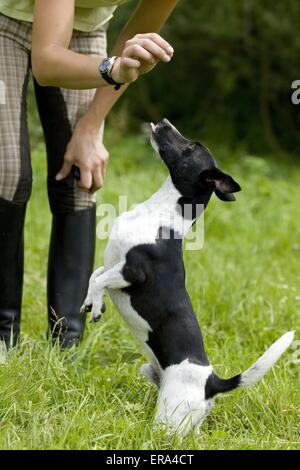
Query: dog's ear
(219, 182)
(227, 197)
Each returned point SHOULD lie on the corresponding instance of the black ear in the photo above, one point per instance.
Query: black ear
(215, 385)
(219, 181)
(227, 197)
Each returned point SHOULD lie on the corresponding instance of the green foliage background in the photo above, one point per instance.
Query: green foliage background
(244, 287)
(231, 75)
(229, 84)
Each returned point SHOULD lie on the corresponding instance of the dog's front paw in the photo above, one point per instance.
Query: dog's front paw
(98, 308)
(86, 308)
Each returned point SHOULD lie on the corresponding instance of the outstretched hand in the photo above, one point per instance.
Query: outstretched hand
(85, 149)
(140, 55)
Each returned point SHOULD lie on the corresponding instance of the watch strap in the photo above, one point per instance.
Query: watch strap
(107, 75)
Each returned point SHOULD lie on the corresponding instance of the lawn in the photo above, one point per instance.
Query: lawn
(244, 285)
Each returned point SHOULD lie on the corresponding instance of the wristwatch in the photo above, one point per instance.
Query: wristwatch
(105, 69)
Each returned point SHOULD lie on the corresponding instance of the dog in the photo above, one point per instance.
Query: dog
(144, 275)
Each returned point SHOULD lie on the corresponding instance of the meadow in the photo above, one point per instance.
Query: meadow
(244, 286)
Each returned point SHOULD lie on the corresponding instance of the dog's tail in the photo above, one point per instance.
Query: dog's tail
(267, 360)
(254, 373)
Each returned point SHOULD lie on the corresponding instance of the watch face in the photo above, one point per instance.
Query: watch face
(105, 65)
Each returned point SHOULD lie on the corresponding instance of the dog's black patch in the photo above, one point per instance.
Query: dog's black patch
(158, 295)
(215, 385)
(191, 209)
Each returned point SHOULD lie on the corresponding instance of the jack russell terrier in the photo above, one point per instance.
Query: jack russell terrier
(144, 275)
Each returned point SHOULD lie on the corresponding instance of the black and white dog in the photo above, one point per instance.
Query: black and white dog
(144, 275)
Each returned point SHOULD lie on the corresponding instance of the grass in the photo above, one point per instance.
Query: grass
(244, 286)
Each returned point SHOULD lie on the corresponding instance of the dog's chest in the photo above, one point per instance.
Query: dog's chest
(135, 227)
(140, 225)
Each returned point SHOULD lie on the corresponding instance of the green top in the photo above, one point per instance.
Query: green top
(89, 14)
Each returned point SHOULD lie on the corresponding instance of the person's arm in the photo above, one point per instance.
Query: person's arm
(53, 64)
(150, 15)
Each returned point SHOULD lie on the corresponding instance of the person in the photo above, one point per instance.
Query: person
(63, 43)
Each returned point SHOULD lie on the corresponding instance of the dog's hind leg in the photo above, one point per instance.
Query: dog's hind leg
(151, 372)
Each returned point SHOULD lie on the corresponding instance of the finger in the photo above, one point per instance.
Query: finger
(97, 180)
(104, 168)
(131, 63)
(158, 40)
(157, 52)
(86, 179)
(136, 51)
(65, 170)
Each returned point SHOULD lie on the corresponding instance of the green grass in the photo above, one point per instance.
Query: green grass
(244, 286)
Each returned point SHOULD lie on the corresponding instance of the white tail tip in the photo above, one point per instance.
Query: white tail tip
(267, 360)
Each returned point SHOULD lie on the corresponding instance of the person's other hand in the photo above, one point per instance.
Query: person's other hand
(140, 55)
(86, 150)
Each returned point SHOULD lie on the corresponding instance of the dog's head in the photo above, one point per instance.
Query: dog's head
(191, 165)
(187, 390)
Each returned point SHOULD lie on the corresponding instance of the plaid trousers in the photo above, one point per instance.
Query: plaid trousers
(59, 110)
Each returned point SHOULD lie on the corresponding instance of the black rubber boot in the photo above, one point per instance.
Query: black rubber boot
(12, 217)
(70, 266)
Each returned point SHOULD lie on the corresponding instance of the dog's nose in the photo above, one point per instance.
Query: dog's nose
(164, 123)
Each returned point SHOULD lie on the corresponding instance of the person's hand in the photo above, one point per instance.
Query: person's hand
(140, 55)
(86, 150)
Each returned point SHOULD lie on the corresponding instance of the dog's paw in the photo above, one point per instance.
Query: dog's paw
(94, 318)
(98, 308)
(86, 308)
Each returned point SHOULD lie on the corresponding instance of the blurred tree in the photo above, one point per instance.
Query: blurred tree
(231, 75)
